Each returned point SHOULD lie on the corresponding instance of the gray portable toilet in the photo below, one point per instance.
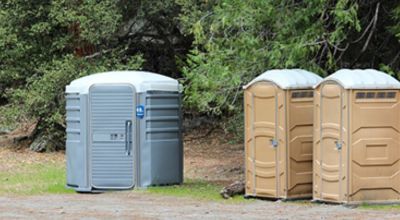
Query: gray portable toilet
(123, 131)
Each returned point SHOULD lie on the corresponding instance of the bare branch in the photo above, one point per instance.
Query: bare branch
(97, 54)
(394, 59)
(314, 43)
(325, 47)
(336, 47)
(373, 27)
(365, 31)
(374, 21)
(236, 95)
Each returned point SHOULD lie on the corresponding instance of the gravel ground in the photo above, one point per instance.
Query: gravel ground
(139, 205)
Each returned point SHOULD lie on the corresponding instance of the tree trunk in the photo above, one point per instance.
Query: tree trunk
(236, 188)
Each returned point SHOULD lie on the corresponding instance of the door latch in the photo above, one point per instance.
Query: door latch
(128, 137)
(338, 145)
(274, 143)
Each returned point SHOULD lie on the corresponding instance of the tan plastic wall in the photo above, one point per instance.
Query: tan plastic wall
(272, 114)
(300, 145)
(367, 167)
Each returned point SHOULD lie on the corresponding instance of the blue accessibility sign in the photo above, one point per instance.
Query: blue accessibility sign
(140, 111)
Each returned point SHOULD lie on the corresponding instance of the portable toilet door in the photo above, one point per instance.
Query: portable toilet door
(356, 137)
(111, 127)
(330, 121)
(278, 134)
(261, 130)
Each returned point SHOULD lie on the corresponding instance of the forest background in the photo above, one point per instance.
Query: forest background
(212, 46)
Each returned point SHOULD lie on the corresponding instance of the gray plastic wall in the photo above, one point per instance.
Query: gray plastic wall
(160, 137)
(76, 143)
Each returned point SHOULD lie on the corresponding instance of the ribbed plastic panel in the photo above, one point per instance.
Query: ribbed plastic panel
(73, 138)
(162, 121)
(111, 107)
(73, 118)
(163, 136)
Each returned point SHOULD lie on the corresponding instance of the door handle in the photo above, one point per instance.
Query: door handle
(338, 145)
(128, 137)
(274, 143)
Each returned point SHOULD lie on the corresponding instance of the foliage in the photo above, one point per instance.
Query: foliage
(46, 44)
(234, 41)
(396, 27)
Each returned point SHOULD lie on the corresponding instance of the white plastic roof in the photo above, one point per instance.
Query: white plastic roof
(363, 79)
(141, 80)
(288, 78)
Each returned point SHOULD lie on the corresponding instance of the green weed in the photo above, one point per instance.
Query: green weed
(197, 189)
(383, 207)
(34, 179)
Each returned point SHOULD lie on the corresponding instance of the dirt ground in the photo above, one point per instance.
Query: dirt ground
(137, 205)
(207, 158)
(212, 158)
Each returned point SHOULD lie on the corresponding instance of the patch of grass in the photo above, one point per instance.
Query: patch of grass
(196, 189)
(383, 207)
(34, 179)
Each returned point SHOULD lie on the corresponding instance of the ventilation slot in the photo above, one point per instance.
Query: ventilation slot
(391, 95)
(375, 95)
(360, 95)
(381, 95)
(302, 94)
(370, 95)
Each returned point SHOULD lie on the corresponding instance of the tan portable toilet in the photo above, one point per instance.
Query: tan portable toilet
(356, 138)
(278, 134)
